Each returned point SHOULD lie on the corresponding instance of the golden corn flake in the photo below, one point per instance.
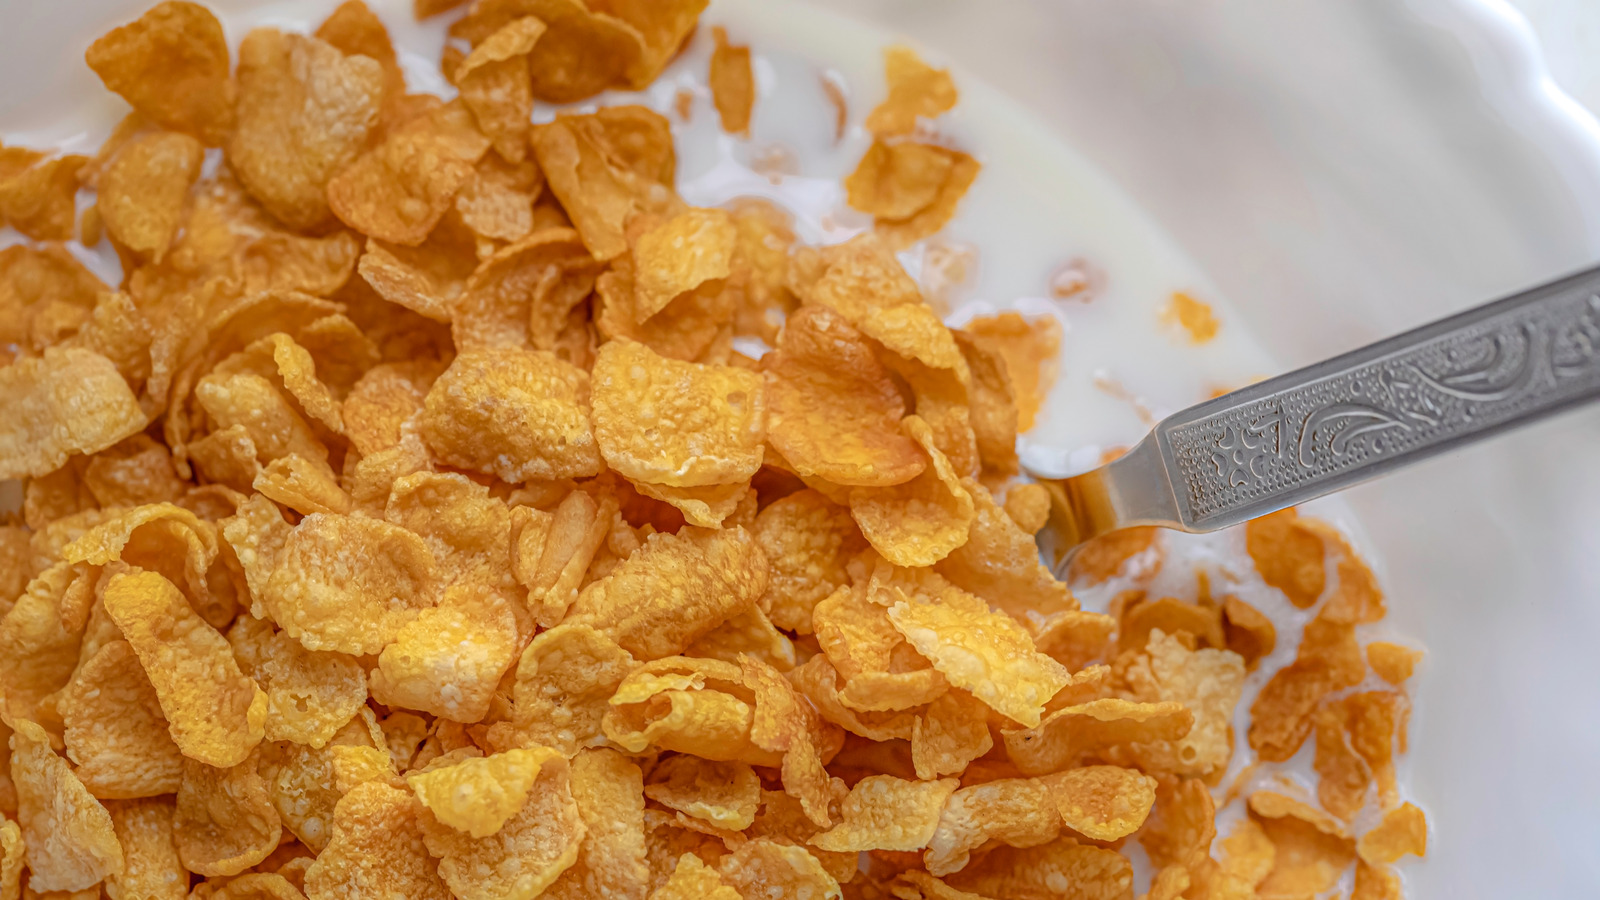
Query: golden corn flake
(951, 733)
(1403, 830)
(896, 181)
(1343, 777)
(1181, 827)
(605, 167)
(224, 822)
(807, 541)
(679, 255)
(114, 730)
(673, 590)
(697, 706)
(45, 293)
(608, 788)
(304, 110)
(64, 402)
(494, 84)
(514, 414)
(39, 200)
(143, 191)
(1031, 349)
(1207, 682)
(1376, 883)
(302, 485)
(150, 864)
(551, 552)
(919, 522)
(1192, 316)
(214, 712)
(172, 66)
(993, 415)
(1013, 811)
(564, 679)
(37, 653)
(784, 870)
(376, 850)
(692, 879)
(70, 842)
(398, 190)
(524, 855)
(681, 424)
(522, 296)
(1288, 555)
(1064, 734)
(1329, 659)
(1312, 850)
(887, 813)
(1000, 563)
(835, 410)
(984, 652)
(733, 88)
(349, 584)
(310, 694)
(498, 202)
(1247, 631)
(450, 658)
(477, 795)
(915, 89)
(1103, 802)
(1039, 872)
(1394, 663)
(902, 232)
(725, 794)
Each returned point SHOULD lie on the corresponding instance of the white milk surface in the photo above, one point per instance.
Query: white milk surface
(1036, 207)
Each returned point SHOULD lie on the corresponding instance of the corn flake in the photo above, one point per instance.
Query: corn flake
(213, 711)
(1011, 811)
(398, 190)
(1207, 682)
(150, 865)
(674, 423)
(692, 879)
(225, 821)
(143, 191)
(673, 590)
(310, 694)
(521, 858)
(733, 89)
(916, 89)
(1065, 734)
(1037, 873)
(115, 731)
(304, 111)
(1393, 663)
(984, 652)
(172, 66)
(1194, 317)
(376, 850)
(725, 794)
(349, 584)
(605, 167)
(921, 521)
(450, 658)
(1289, 555)
(608, 788)
(71, 844)
(786, 869)
(514, 414)
(477, 795)
(64, 402)
(1103, 802)
(494, 83)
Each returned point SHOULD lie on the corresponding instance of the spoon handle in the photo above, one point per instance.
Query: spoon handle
(1351, 418)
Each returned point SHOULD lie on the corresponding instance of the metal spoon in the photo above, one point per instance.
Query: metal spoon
(1347, 419)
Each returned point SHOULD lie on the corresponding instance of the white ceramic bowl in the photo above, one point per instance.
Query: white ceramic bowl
(1341, 169)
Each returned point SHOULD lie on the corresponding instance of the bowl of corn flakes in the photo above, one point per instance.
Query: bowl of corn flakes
(548, 448)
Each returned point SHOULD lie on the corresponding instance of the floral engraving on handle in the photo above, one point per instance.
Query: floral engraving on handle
(1334, 429)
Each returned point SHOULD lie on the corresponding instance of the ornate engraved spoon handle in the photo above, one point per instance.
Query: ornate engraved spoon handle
(1351, 418)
